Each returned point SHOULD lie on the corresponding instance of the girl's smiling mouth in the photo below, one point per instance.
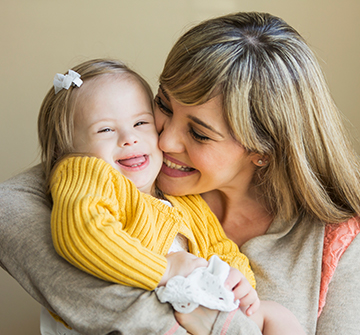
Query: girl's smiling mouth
(135, 162)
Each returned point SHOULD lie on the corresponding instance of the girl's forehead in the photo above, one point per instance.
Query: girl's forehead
(111, 97)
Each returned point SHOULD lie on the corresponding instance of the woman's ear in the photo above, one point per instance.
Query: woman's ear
(260, 160)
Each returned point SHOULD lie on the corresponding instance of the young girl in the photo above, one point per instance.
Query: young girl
(101, 159)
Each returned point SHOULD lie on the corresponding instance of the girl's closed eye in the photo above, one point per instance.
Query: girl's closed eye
(140, 123)
(105, 130)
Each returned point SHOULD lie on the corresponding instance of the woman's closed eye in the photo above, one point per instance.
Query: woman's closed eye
(198, 137)
(162, 106)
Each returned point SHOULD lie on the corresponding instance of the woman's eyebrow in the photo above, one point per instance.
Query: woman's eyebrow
(191, 117)
(202, 123)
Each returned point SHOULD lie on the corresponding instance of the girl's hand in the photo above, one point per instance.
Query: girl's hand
(181, 263)
(249, 300)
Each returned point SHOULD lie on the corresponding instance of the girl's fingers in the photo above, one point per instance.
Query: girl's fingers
(253, 308)
(243, 289)
(249, 299)
(233, 279)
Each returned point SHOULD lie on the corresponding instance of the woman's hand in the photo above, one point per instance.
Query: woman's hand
(239, 285)
(181, 263)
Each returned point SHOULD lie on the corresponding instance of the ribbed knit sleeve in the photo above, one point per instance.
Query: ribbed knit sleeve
(101, 224)
(210, 236)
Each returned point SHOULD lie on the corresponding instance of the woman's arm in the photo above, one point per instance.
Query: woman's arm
(88, 304)
(234, 323)
(341, 311)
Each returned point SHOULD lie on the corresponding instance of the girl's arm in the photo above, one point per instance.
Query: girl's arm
(210, 235)
(101, 224)
(88, 304)
(227, 250)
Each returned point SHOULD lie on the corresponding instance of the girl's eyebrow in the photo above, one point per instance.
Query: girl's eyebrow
(203, 124)
(100, 120)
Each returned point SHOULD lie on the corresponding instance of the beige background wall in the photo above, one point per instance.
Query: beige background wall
(41, 37)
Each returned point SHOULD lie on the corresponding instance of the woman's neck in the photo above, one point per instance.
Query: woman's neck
(242, 216)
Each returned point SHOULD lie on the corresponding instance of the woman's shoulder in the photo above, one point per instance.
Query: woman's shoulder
(30, 181)
(23, 201)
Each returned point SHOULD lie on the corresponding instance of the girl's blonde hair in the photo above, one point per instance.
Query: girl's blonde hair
(56, 116)
(277, 104)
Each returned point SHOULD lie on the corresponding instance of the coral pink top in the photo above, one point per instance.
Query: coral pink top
(337, 239)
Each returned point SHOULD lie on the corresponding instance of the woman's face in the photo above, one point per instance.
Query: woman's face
(200, 155)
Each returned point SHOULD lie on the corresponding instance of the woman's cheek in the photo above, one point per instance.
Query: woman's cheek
(159, 120)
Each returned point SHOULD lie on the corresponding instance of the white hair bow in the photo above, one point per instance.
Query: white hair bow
(65, 81)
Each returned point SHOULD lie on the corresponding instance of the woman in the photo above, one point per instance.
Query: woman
(244, 95)
(245, 119)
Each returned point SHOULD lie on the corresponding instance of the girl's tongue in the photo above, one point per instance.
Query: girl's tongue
(134, 161)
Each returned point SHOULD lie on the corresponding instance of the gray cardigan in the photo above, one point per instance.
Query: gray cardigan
(286, 262)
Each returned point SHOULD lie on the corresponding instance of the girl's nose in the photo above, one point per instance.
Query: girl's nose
(127, 140)
(129, 143)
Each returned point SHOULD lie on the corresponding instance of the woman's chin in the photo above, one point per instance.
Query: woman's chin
(173, 186)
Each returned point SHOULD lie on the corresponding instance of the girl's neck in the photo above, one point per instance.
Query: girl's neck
(242, 216)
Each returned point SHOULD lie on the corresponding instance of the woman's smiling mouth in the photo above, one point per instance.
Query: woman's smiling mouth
(172, 169)
(172, 165)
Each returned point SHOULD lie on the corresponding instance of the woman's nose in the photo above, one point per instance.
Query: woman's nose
(171, 137)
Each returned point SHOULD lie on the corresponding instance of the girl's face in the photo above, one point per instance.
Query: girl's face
(114, 121)
(200, 155)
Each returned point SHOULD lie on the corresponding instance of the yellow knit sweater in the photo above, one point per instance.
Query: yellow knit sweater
(104, 225)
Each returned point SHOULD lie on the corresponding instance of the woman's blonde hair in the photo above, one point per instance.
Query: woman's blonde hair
(56, 116)
(277, 104)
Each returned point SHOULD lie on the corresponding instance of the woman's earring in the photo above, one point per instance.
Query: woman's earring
(262, 162)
